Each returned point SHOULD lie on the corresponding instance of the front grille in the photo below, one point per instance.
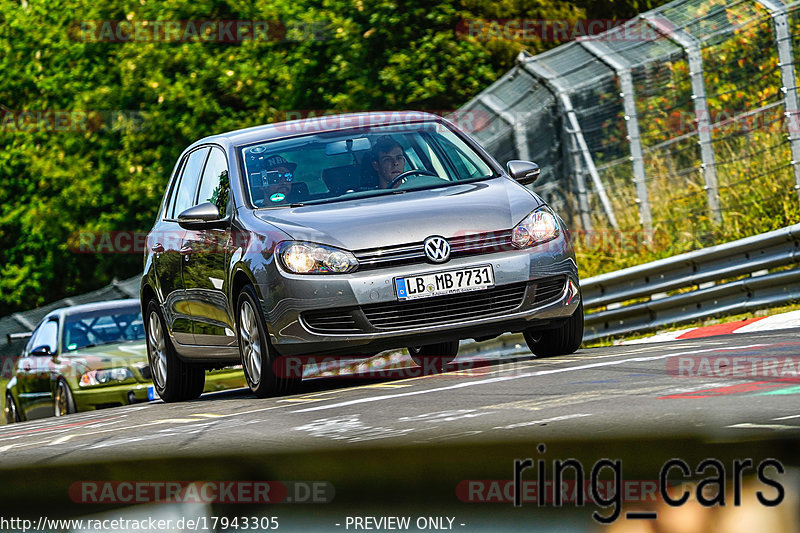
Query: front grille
(444, 309)
(145, 372)
(480, 243)
(449, 308)
(336, 321)
(549, 288)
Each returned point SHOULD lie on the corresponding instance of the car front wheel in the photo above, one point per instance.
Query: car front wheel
(265, 374)
(174, 379)
(560, 341)
(64, 402)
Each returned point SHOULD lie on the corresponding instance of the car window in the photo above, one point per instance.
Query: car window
(95, 328)
(366, 161)
(214, 183)
(187, 186)
(453, 147)
(45, 335)
(166, 205)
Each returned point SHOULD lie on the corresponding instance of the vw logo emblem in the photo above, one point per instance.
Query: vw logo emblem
(437, 249)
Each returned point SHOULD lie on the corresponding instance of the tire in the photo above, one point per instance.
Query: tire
(561, 341)
(257, 354)
(434, 356)
(64, 402)
(10, 411)
(174, 379)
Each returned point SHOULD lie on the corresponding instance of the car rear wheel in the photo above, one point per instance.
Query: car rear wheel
(10, 410)
(64, 402)
(434, 356)
(173, 379)
(561, 341)
(259, 359)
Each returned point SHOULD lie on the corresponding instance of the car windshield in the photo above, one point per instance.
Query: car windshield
(340, 165)
(94, 328)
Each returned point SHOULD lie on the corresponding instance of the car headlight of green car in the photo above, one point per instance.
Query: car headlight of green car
(105, 376)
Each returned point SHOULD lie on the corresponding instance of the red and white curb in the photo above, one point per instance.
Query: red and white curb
(749, 325)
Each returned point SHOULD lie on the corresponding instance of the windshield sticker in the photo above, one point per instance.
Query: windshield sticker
(277, 197)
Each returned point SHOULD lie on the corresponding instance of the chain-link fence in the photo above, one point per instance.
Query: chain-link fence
(684, 120)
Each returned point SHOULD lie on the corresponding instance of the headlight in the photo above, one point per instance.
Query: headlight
(105, 376)
(310, 258)
(538, 227)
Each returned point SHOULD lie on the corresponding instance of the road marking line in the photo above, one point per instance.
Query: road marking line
(762, 426)
(385, 386)
(61, 439)
(304, 399)
(207, 415)
(520, 376)
(543, 421)
(786, 417)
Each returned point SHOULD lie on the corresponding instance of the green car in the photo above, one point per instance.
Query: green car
(88, 357)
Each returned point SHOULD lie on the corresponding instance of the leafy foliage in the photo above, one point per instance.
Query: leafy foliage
(125, 110)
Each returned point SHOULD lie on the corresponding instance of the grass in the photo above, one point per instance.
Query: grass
(756, 195)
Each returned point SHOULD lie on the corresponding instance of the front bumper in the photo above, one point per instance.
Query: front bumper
(290, 300)
(91, 398)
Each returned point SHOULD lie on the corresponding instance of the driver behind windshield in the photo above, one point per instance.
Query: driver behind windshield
(388, 160)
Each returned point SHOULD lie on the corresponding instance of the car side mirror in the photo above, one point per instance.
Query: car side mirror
(203, 216)
(42, 350)
(523, 172)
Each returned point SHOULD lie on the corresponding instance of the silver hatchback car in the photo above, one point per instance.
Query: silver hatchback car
(345, 236)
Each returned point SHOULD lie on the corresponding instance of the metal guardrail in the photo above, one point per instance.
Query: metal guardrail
(694, 285)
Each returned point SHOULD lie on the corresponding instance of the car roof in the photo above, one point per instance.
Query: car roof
(277, 130)
(93, 306)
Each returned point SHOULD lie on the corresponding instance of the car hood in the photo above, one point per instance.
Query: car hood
(125, 354)
(477, 207)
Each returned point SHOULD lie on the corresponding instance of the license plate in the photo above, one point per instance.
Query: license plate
(447, 282)
(151, 393)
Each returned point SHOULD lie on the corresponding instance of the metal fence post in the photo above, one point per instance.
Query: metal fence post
(572, 117)
(580, 181)
(517, 124)
(623, 70)
(783, 39)
(692, 48)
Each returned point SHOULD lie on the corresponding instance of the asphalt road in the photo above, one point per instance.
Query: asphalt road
(731, 388)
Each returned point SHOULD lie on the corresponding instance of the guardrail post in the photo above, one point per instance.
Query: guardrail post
(623, 70)
(692, 48)
(561, 93)
(783, 39)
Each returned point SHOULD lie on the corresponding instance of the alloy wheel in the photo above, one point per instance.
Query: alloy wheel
(250, 342)
(158, 351)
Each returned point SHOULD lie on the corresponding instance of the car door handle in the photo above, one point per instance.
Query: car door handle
(158, 248)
